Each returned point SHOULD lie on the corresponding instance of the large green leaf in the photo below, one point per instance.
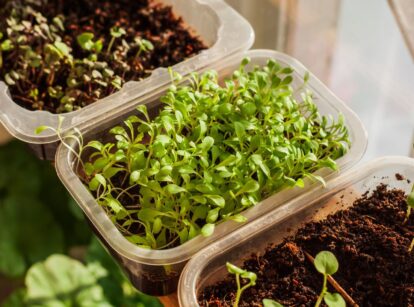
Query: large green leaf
(117, 288)
(62, 281)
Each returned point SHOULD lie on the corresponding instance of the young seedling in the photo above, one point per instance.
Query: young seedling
(271, 303)
(240, 273)
(143, 46)
(410, 204)
(86, 42)
(326, 263)
(116, 32)
(410, 249)
(77, 137)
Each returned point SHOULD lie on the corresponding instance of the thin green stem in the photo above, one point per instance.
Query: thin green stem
(323, 292)
(407, 216)
(110, 45)
(138, 53)
(238, 293)
(244, 288)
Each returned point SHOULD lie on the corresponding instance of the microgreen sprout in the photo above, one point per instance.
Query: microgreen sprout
(76, 137)
(271, 303)
(410, 204)
(86, 42)
(143, 46)
(116, 32)
(326, 263)
(240, 273)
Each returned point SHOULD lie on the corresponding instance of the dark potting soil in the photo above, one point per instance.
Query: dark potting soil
(172, 43)
(370, 242)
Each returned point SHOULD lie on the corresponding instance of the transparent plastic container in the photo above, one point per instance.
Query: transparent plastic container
(208, 267)
(220, 27)
(156, 272)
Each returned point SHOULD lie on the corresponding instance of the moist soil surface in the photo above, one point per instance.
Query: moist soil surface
(172, 43)
(370, 242)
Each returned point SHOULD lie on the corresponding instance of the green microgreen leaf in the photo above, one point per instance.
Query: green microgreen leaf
(40, 129)
(217, 200)
(238, 218)
(157, 226)
(232, 269)
(334, 300)
(117, 32)
(63, 48)
(271, 303)
(207, 230)
(148, 214)
(207, 143)
(174, 189)
(326, 263)
(213, 215)
(6, 45)
(96, 182)
(250, 186)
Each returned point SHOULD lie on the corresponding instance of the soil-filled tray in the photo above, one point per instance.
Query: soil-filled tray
(62, 56)
(361, 219)
(84, 58)
(157, 271)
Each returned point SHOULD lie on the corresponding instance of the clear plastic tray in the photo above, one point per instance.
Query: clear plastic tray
(166, 265)
(208, 267)
(218, 25)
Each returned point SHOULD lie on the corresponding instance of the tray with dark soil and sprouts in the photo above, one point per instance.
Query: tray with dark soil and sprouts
(351, 246)
(60, 56)
(63, 57)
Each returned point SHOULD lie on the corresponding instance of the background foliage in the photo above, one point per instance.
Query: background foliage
(38, 219)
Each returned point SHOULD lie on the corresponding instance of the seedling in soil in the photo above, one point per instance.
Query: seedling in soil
(410, 205)
(86, 42)
(143, 46)
(240, 273)
(327, 264)
(116, 32)
(271, 303)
